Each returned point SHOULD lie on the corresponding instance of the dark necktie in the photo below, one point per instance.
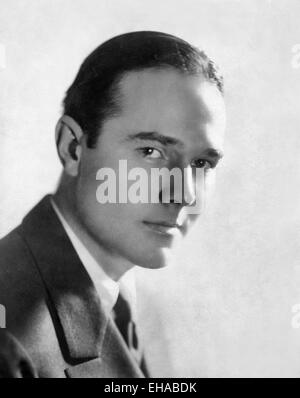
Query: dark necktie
(127, 328)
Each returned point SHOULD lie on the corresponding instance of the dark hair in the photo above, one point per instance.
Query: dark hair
(92, 97)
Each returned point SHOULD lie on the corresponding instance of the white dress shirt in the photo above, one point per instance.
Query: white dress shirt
(107, 289)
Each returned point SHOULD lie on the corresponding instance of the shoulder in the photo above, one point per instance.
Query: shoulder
(20, 283)
(16, 261)
(12, 246)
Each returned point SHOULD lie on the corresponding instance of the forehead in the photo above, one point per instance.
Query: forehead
(174, 104)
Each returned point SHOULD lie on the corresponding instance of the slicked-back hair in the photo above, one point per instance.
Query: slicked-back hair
(93, 97)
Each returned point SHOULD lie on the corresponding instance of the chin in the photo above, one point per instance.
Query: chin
(155, 260)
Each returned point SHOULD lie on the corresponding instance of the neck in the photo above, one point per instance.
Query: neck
(113, 265)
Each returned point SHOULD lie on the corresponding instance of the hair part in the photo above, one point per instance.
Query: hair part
(94, 95)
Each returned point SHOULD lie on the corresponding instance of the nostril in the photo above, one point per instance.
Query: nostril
(25, 369)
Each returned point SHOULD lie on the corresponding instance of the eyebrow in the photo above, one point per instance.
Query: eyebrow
(166, 140)
(214, 153)
(154, 136)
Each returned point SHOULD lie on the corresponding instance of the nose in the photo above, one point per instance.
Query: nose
(180, 189)
(189, 187)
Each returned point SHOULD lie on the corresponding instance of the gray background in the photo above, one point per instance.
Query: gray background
(224, 308)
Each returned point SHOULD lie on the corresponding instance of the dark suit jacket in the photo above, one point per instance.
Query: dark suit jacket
(52, 307)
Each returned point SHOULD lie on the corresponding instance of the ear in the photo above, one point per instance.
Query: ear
(68, 136)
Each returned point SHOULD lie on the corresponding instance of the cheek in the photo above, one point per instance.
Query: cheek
(87, 183)
(209, 183)
(86, 189)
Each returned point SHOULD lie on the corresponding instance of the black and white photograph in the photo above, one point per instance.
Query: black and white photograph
(150, 191)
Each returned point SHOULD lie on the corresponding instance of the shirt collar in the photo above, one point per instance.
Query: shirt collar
(107, 289)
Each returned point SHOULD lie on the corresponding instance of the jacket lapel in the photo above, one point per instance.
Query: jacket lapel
(114, 361)
(89, 340)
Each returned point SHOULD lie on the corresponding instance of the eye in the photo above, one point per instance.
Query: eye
(201, 164)
(151, 153)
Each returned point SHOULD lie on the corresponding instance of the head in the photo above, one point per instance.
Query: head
(155, 101)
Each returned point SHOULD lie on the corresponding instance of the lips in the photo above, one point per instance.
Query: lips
(164, 227)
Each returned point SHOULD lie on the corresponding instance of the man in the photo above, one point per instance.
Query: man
(154, 101)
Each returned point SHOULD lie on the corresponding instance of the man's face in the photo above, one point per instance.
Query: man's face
(167, 120)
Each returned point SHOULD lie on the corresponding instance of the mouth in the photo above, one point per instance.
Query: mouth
(164, 227)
